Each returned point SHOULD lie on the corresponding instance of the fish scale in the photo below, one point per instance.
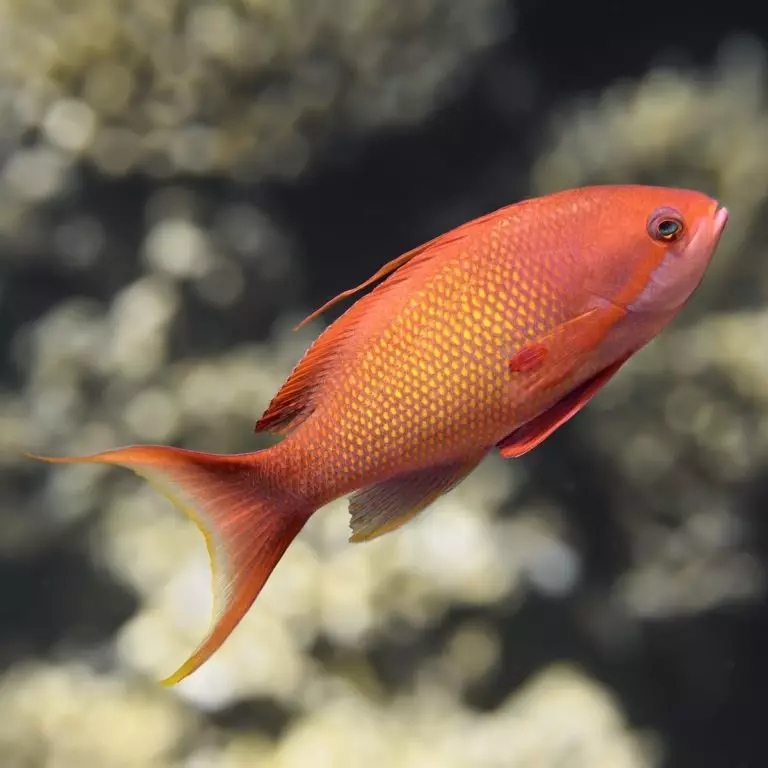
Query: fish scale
(436, 373)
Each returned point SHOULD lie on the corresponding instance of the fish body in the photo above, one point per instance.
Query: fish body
(419, 373)
(492, 335)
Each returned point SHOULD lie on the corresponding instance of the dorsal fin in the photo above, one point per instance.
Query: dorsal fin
(296, 399)
(440, 241)
(387, 269)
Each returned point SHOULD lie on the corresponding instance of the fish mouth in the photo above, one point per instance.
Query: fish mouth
(720, 219)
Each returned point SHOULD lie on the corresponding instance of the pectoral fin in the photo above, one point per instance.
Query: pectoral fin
(558, 354)
(388, 505)
(534, 432)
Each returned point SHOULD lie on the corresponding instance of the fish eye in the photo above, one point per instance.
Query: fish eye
(666, 225)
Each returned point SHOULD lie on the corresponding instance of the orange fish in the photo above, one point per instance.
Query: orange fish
(491, 335)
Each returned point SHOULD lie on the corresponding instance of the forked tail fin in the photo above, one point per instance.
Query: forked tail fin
(245, 519)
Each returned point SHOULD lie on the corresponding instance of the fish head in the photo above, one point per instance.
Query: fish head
(656, 246)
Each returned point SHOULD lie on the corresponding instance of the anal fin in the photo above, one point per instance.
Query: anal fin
(383, 507)
(538, 429)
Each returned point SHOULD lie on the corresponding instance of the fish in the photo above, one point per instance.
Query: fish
(488, 337)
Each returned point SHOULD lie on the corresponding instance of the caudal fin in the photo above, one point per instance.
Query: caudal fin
(245, 519)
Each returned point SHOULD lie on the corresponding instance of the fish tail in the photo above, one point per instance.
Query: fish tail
(235, 501)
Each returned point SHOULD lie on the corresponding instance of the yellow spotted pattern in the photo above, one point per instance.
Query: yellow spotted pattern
(426, 380)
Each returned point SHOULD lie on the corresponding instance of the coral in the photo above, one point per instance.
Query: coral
(235, 88)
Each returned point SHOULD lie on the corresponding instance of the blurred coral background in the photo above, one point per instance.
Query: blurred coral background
(180, 182)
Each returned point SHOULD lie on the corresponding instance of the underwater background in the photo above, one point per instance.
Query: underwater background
(181, 181)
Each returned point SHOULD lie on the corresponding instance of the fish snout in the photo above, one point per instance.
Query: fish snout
(720, 219)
